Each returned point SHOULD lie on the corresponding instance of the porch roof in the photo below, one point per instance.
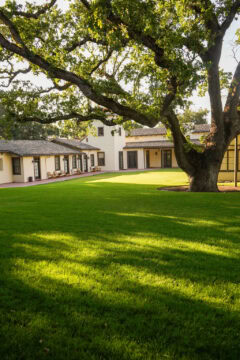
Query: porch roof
(198, 128)
(34, 148)
(74, 144)
(149, 144)
(155, 144)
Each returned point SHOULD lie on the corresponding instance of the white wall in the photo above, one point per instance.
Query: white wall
(109, 144)
(155, 158)
(141, 160)
(6, 173)
(197, 136)
(147, 138)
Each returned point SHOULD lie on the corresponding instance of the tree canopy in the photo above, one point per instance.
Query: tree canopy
(193, 117)
(122, 60)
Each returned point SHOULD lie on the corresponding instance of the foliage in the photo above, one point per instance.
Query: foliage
(107, 267)
(75, 129)
(14, 130)
(190, 116)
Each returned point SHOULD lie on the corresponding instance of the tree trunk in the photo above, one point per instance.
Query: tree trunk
(205, 179)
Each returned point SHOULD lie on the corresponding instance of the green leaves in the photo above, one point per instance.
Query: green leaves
(136, 58)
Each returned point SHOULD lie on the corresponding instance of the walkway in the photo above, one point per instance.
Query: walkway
(49, 181)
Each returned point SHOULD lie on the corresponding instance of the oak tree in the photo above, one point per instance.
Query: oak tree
(123, 60)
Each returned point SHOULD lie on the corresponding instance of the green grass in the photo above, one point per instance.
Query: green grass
(108, 267)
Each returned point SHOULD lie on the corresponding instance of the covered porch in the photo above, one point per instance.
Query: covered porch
(150, 155)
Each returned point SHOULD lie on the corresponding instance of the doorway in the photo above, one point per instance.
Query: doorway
(147, 159)
(132, 160)
(85, 163)
(166, 158)
(66, 164)
(120, 154)
(36, 168)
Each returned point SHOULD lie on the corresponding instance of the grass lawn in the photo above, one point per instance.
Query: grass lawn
(108, 267)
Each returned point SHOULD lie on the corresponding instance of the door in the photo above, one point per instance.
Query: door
(147, 159)
(120, 154)
(132, 159)
(66, 164)
(36, 168)
(85, 163)
(79, 164)
(166, 158)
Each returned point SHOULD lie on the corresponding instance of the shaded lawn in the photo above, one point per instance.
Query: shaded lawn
(109, 268)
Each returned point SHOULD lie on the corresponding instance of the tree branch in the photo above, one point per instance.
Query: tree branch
(101, 62)
(86, 4)
(232, 101)
(211, 23)
(82, 84)
(13, 75)
(180, 142)
(12, 28)
(83, 42)
(227, 22)
(71, 116)
(42, 10)
(146, 40)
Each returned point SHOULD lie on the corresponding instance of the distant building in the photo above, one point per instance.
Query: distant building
(141, 148)
(30, 160)
(111, 140)
(112, 149)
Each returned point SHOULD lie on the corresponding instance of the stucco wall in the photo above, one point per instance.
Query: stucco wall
(109, 144)
(141, 162)
(6, 173)
(227, 176)
(198, 135)
(146, 138)
(155, 158)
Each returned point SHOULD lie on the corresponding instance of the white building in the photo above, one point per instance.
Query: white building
(30, 160)
(111, 140)
(141, 148)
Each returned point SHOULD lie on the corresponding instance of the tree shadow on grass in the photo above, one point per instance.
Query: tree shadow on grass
(121, 314)
(120, 276)
(133, 322)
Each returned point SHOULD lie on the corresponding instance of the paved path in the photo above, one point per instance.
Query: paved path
(49, 181)
(70, 177)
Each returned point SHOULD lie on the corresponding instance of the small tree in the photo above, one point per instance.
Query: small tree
(190, 116)
(11, 129)
(121, 60)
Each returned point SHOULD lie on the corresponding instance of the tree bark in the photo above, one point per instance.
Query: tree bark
(205, 178)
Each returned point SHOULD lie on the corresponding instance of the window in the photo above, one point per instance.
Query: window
(100, 131)
(16, 166)
(57, 163)
(120, 131)
(228, 162)
(1, 164)
(79, 162)
(101, 158)
(74, 162)
(92, 160)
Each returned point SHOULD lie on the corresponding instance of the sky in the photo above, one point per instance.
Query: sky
(228, 63)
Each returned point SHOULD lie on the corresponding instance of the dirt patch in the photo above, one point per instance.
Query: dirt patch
(185, 188)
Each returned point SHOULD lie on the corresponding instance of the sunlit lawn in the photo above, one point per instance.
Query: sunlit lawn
(108, 267)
